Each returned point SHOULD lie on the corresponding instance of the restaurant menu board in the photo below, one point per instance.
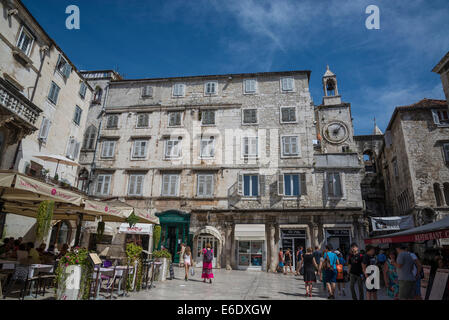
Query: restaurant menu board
(439, 284)
(95, 259)
(425, 281)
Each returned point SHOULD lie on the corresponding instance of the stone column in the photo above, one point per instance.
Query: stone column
(233, 248)
(228, 245)
(272, 247)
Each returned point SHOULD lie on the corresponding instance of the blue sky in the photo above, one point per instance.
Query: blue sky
(377, 69)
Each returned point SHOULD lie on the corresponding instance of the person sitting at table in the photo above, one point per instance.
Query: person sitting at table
(63, 251)
(33, 253)
(41, 249)
(22, 254)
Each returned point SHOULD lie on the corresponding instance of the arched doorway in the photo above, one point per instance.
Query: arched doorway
(201, 238)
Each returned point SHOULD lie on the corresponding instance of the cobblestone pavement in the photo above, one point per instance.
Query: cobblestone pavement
(237, 285)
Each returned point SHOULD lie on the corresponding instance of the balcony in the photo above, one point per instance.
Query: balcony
(13, 104)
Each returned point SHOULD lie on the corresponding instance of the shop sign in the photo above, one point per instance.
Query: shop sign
(392, 223)
(337, 233)
(293, 233)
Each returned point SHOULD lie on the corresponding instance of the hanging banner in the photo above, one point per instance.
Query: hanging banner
(138, 228)
(392, 223)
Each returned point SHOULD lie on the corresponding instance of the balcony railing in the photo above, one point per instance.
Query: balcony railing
(17, 104)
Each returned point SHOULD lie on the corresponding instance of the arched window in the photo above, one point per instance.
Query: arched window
(98, 94)
(330, 87)
(60, 234)
(89, 138)
(438, 195)
(83, 179)
(446, 192)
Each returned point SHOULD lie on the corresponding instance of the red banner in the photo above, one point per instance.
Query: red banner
(417, 237)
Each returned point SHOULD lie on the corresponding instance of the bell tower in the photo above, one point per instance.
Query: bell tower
(330, 86)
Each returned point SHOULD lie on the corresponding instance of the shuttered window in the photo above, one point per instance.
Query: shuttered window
(112, 121)
(25, 41)
(250, 147)
(288, 114)
(334, 185)
(179, 90)
(174, 119)
(287, 84)
(147, 91)
(108, 149)
(440, 117)
(54, 93)
(143, 120)
(210, 87)
(77, 116)
(207, 148)
(172, 149)
(135, 186)
(205, 185)
(170, 185)
(44, 130)
(83, 89)
(208, 117)
(73, 149)
(103, 184)
(250, 185)
(250, 116)
(140, 149)
(249, 85)
(290, 146)
(63, 67)
(89, 138)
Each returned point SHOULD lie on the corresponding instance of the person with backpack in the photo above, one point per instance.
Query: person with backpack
(208, 257)
(355, 271)
(340, 273)
(329, 266)
(370, 259)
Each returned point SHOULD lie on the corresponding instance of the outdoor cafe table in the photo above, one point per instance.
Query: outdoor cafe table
(8, 264)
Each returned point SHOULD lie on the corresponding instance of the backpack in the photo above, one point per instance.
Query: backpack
(340, 275)
(208, 256)
(327, 263)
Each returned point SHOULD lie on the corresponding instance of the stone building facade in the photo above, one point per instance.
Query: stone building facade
(49, 96)
(236, 160)
(442, 68)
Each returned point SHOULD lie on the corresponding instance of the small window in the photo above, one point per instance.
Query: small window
(83, 89)
(172, 149)
(63, 67)
(249, 86)
(211, 87)
(250, 185)
(73, 149)
(108, 149)
(77, 116)
(290, 146)
(143, 120)
(250, 147)
(174, 119)
(207, 148)
(135, 185)
(179, 90)
(25, 41)
(250, 116)
(170, 185)
(446, 152)
(287, 84)
(112, 121)
(54, 93)
(334, 186)
(147, 91)
(103, 184)
(440, 117)
(97, 96)
(288, 114)
(208, 117)
(205, 185)
(44, 130)
(140, 149)
(89, 138)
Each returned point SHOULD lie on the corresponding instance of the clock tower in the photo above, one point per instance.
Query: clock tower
(333, 118)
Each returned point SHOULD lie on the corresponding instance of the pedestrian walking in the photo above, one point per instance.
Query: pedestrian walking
(310, 267)
(418, 273)
(208, 257)
(340, 273)
(407, 280)
(188, 262)
(370, 259)
(317, 255)
(391, 276)
(355, 271)
(288, 261)
(329, 270)
(299, 255)
(281, 261)
(181, 254)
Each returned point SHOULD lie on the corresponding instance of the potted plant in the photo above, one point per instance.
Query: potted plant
(74, 275)
(165, 257)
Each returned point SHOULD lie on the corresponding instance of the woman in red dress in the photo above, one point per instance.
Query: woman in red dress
(208, 257)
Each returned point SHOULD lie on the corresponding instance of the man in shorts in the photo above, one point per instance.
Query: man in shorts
(407, 280)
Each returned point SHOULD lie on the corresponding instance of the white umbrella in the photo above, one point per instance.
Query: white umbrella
(58, 159)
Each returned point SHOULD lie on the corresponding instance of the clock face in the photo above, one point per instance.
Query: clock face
(336, 132)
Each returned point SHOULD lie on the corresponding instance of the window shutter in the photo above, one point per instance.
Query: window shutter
(446, 152)
(136, 152)
(294, 145)
(132, 184)
(303, 184)
(77, 149)
(280, 184)
(342, 185)
(70, 149)
(67, 70)
(99, 184)
(165, 185)
(209, 185)
(326, 184)
(240, 184)
(262, 185)
(111, 148)
(45, 127)
(436, 119)
(107, 182)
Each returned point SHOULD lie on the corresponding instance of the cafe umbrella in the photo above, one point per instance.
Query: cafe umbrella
(58, 160)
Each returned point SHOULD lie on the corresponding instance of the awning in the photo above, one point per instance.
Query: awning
(249, 232)
(138, 228)
(106, 211)
(121, 209)
(431, 231)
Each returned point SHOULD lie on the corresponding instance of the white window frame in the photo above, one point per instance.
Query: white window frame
(107, 121)
(103, 177)
(110, 144)
(436, 117)
(172, 177)
(250, 155)
(288, 107)
(180, 119)
(79, 111)
(215, 85)
(208, 141)
(147, 115)
(342, 185)
(132, 188)
(24, 30)
(242, 178)
(212, 182)
(281, 182)
(171, 155)
(282, 84)
(290, 155)
(245, 81)
(140, 156)
(202, 118)
(58, 90)
(250, 123)
(147, 91)
(67, 68)
(83, 90)
(175, 90)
